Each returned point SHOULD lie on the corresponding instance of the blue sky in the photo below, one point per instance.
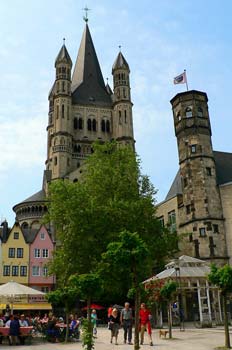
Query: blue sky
(159, 38)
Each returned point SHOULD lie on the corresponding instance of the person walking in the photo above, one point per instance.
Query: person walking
(145, 323)
(126, 322)
(94, 322)
(114, 324)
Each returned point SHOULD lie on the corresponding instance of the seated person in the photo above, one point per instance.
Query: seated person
(23, 323)
(74, 326)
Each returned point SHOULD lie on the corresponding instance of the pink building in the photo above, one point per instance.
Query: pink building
(41, 249)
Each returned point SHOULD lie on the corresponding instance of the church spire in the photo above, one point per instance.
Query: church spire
(63, 55)
(88, 85)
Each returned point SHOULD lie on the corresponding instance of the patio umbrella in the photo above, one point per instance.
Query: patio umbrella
(94, 306)
(12, 289)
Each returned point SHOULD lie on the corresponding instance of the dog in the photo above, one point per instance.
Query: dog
(163, 332)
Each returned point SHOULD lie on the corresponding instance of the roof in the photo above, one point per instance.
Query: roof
(188, 267)
(120, 62)
(63, 56)
(29, 234)
(108, 89)
(176, 187)
(39, 196)
(88, 85)
(223, 163)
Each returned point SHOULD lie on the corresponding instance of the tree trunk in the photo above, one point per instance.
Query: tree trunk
(170, 320)
(226, 325)
(90, 331)
(137, 306)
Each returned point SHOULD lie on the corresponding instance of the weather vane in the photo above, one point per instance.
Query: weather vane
(63, 41)
(86, 9)
(120, 46)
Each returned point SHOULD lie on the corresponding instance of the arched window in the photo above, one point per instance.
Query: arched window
(63, 86)
(120, 117)
(55, 160)
(103, 125)
(107, 126)
(200, 112)
(125, 116)
(188, 112)
(124, 92)
(57, 111)
(68, 112)
(75, 123)
(79, 149)
(89, 124)
(80, 123)
(62, 111)
(94, 125)
(68, 162)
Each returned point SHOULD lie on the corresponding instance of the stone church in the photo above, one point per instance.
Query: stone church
(82, 109)
(199, 202)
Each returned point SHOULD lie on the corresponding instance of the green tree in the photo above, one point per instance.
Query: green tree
(167, 292)
(222, 278)
(111, 196)
(89, 286)
(128, 256)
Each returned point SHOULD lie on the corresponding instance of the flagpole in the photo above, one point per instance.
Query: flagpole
(186, 81)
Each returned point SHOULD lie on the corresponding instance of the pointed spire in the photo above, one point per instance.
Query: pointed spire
(120, 62)
(63, 55)
(87, 80)
(108, 88)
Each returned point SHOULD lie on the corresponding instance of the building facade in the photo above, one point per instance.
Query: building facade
(82, 110)
(199, 202)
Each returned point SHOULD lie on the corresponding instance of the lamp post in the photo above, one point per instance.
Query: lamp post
(181, 308)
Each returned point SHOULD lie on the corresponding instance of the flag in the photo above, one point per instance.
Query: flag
(180, 79)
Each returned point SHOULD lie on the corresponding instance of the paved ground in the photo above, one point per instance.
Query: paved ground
(191, 339)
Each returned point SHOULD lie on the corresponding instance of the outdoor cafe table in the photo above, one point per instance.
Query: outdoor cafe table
(4, 331)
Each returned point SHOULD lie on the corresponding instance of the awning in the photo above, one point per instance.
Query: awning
(29, 306)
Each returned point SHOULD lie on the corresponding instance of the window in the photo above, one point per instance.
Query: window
(215, 228)
(11, 253)
(178, 117)
(23, 271)
(15, 270)
(35, 271)
(44, 253)
(45, 271)
(124, 92)
(19, 252)
(6, 270)
(80, 123)
(45, 289)
(208, 171)
(75, 125)
(193, 148)
(202, 232)
(89, 124)
(36, 253)
(188, 209)
(188, 112)
(16, 235)
(62, 111)
(172, 221)
(120, 117)
(103, 125)
(42, 236)
(58, 87)
(125, 116)
(161, 220)
(63, 86)
(107, 126)
(55, 160)
(57, 112)
(200, 112)
(94, 125)
(68, 162)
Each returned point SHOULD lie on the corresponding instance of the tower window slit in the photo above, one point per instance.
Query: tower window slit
(125, 116)
(62, 111)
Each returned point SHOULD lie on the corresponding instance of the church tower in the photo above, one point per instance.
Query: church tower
(200, 209)
(59, 145)
(123, 126)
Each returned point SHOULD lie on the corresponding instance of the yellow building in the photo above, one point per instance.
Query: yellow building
(15, 257)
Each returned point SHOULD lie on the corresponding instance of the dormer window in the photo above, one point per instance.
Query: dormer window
(188, 112)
